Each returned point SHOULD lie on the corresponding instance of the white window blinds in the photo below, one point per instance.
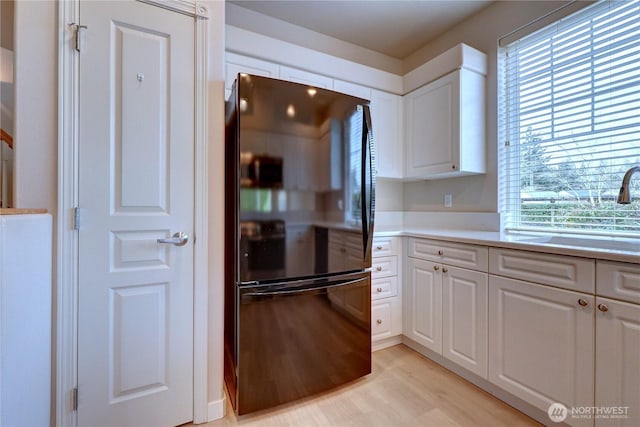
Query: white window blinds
(570, 123)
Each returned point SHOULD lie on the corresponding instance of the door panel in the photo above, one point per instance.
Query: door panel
(136, 185)
(424, 304)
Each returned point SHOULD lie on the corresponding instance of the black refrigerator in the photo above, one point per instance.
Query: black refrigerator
(299, 211)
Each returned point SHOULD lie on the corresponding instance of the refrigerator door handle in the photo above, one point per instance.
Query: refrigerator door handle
(368, 183)
(297, 290)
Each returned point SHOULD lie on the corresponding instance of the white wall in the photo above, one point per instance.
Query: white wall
(36, 105)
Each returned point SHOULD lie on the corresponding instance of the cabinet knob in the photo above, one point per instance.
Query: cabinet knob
(379, 290)
(582, 302)
(436, 267)
(603, 307)
(378, 248)
(440, 252)
(445, 269)
(379, 322)
(378, 268)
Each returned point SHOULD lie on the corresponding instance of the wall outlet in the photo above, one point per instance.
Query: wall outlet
(448, 200)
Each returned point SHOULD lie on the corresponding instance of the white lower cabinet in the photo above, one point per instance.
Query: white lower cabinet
(618, 362)
(386, 303)
(541, 344)
(446, 311)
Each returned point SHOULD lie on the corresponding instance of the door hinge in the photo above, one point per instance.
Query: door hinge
(77, 28)
(74, 399)
(76, 218)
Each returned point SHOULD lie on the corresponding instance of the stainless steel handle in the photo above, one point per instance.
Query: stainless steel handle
(603, 307)
(178, 239)
(582, 302)
(436, 267)
(445, 269)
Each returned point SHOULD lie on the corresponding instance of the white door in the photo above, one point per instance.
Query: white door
(136, 185)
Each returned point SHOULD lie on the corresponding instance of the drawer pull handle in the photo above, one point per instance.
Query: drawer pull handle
(379, 322)
(440, 252)
(378, 268)
(603, 307)
(582, 302)
(445, 269)
(378, 248)
(436, 267)
(379, 290)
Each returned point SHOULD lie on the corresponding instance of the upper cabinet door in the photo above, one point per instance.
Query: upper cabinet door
(386, 117)
(244, 64)
(305, 77)
(352, 89)
(445, 127)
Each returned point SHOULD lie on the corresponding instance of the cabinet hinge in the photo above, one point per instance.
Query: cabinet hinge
(76, 218)
(74, 399)
(77, 39)
(507, 143)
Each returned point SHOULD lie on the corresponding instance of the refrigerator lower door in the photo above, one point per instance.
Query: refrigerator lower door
(297, 339)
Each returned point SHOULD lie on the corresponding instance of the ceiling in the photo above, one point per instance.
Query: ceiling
(395, 28)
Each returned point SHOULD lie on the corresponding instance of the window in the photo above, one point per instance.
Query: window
(354, 186)
(569, 118)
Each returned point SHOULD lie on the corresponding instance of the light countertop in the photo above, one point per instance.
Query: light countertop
(21, 211)
(613, 249)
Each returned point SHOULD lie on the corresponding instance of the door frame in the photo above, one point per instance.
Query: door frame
(66, 305)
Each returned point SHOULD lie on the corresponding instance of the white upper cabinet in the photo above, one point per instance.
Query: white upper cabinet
(305, 77)
(386, 118)
(352, 89)
(445, 127)
(244, 64)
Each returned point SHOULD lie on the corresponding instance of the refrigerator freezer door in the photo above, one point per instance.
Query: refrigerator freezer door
(297, 339)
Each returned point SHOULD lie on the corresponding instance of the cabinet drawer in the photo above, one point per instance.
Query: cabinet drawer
(384, 267)
(562, 271)
(384, 287)
(618, 280)
(456, 254)
(380, 320)
(384, 246)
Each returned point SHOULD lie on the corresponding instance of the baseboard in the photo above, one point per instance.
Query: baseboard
(387, 342)
(508, 398)
(217, 409)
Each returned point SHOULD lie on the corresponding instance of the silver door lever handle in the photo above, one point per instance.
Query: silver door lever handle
(178, 239)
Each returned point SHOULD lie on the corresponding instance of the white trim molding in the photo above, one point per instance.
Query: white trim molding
(186, 7)
(67, 242)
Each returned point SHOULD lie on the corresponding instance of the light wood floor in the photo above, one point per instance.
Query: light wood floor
(404, 389)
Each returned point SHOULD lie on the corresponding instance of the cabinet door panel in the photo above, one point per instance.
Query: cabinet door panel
(433, 132)
(244, 64)
(305, 77)
(464, 318)
(424, 304)
(386, 115)
(541, 343)
(618, 360)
